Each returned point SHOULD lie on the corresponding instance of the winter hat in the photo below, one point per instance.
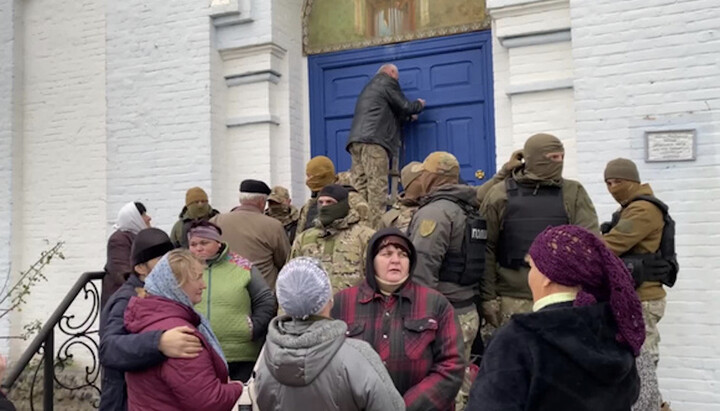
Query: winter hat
(279, 194)
(130, 219)
(409, 173)
(254, 187)
(535, 149)
(320, 172)
(439, 162)
(623, 169)
(335, 191)
(205, 229)
(148, 244)
(303, 287)
(194, 195)
(573, 256)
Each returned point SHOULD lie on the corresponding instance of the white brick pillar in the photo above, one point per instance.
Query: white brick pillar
(533, 70)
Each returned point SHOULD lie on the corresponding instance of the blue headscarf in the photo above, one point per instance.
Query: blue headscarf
(162, 283)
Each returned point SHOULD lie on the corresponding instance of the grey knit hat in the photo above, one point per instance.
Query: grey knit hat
(623, 169)
(303, 287)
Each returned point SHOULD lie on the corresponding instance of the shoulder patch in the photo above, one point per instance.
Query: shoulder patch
(427, 227)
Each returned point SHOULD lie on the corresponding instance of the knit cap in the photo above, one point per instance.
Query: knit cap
(303, 287)
(194, 195)
(409, 173)
(440, 162)
(573, 256)
(623, 169)
(320, 171)
(279, 194)
(148, 244)
(335, 191)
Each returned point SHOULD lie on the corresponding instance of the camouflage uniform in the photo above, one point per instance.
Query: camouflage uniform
(341, 247)
(370, 167)
(400, 215)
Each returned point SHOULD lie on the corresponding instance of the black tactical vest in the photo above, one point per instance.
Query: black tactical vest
(530, 209)
(467, 266)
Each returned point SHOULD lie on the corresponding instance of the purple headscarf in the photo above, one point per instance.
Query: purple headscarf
(573, 256)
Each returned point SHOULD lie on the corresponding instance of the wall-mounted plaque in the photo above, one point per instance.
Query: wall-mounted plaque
(670, 145)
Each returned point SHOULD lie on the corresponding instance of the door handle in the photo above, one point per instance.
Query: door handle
(479, 174)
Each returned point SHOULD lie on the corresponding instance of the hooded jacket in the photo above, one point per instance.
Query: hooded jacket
(437, 228)
(340, 247)
(569, 359)
(199, 383)
(312, 365)
(414, 325)
(380, 111)
(501, 281)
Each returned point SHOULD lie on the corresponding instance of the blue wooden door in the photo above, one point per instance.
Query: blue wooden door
(453, 74)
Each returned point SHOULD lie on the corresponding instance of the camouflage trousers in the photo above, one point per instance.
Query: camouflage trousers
(469, 325)
(653, 312)
(508, 307)
(369, 172)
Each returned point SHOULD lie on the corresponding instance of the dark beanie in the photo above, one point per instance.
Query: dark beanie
(148, 244)
(335, 191)
(254, 186)
(623, 169)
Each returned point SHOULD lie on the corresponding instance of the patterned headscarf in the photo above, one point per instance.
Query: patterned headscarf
(573, 256)
(162, 283)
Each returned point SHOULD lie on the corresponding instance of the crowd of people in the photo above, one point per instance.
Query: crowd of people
(506, 296)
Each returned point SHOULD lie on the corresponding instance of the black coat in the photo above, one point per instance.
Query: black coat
(559, 358)
(121, 351)
(380, 111)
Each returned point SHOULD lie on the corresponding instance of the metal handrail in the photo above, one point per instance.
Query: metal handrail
(45, 339)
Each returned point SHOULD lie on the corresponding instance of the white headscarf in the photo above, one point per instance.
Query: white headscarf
(129, 219)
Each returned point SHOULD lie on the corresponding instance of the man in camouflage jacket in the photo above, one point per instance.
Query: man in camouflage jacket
(337, 239)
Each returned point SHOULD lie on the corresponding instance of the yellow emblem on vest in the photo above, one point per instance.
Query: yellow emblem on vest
(427, 227)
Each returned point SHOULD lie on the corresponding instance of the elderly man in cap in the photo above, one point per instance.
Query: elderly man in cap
(534, 197)
(252, 234)
(279, 208)
(338, 240)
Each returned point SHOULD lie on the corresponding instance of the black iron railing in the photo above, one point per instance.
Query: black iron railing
(82, 333)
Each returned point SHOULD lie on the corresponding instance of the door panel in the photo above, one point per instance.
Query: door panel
(453, 74)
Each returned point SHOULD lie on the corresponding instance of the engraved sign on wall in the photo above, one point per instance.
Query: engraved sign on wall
(670, 145)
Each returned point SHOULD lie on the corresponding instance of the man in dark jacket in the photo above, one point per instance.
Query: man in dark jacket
(375, 136)
(121, 351)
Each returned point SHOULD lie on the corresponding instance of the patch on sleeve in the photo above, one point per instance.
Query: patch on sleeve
(427, 227)
(624, 226)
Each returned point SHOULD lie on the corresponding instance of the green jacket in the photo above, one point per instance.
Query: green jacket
(238, 304)
(500, 281)
(341, 248)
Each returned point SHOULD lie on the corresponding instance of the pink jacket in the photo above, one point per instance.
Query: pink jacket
(198, 384)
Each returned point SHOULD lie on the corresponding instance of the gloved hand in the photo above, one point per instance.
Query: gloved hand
(605, 227)
(491, 312)
(516, 160)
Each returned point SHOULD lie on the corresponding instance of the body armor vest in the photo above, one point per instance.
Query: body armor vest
(530, 209)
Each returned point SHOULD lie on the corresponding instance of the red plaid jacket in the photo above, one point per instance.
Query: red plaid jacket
(416, 335)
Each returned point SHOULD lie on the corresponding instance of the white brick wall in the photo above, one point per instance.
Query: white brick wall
(653, 64)
(63, 146)
(158, 105)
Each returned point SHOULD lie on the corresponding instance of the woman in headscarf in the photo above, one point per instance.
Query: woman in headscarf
(171, 290)
(131, 218)
(577, 349)
(237, 301)
(412, 327)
